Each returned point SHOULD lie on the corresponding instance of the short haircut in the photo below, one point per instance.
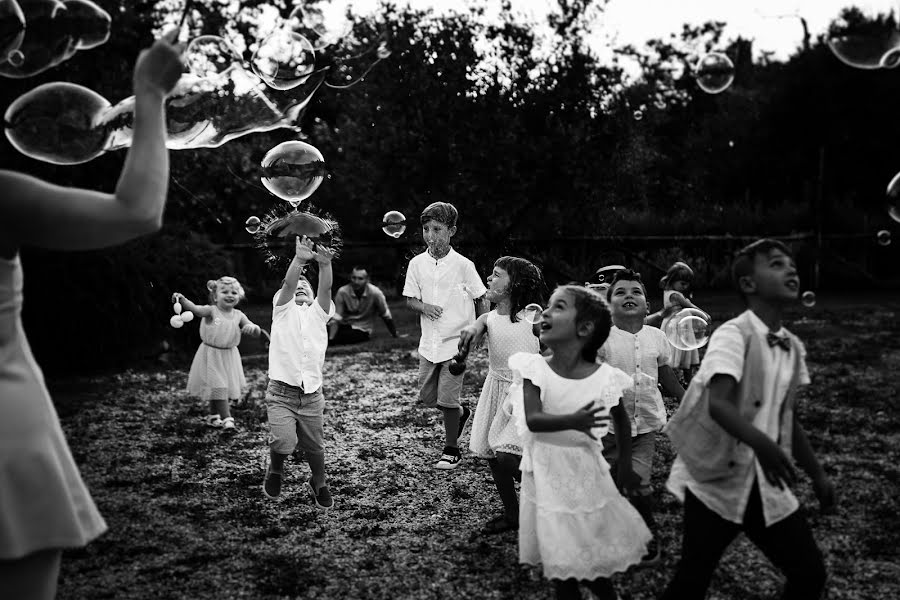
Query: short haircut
(745, 258)
(625, 275)
(359, 268)
(442, 212)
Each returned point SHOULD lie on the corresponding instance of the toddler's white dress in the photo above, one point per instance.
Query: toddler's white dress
(217, 372)
(572, 518)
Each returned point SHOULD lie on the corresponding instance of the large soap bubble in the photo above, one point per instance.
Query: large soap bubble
(284, 60)
(715, 72)
(293, 171)
(59, 123)
(54, 32)
(893, 198)
(278, 234)
(328, 21)
(12, 28)
(865, 38)
(687, 329)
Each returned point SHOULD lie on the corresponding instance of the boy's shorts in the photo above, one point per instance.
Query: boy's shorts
(437, 387)
(643, 445)
(295, 418)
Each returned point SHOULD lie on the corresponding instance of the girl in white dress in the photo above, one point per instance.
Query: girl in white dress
(217, 375)
(45, 506)
(573, 520)
(676, 286)
(514, 284)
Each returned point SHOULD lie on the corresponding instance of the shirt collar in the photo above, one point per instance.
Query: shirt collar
(446, 258)
(761, 327)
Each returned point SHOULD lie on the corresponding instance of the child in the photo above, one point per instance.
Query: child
(294, 399)
(735, 432)
(643, 353)
(441, 284)
(217, 374)
(514, 284)
(572, 518)
(45, 504)
(676, 286)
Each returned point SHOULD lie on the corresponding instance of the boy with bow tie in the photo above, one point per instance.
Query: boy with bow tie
(735, 433)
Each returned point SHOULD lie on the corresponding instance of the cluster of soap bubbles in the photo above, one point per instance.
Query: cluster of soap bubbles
(687, 329)
(219, 99)
(40, 34)
(180, 317)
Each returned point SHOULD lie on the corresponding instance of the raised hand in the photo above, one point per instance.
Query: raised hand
(304, 250)
(158, 68)
(324, 255)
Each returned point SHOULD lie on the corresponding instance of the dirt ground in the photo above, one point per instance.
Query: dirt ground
(187, 517)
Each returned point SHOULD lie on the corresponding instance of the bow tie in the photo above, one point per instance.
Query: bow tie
(777, 340)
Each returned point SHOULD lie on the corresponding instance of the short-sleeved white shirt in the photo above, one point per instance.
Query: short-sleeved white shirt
(453, 284)
(640, 355)
(725, 355)
(298, 342)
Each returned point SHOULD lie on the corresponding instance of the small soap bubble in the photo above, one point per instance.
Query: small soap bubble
(893, 198)
(210, 55)
(808, 299)
(731, 143)
(284, 60)
(293, 171)
(687, 329)
(16, 58)
(638, 115)
(715, 72)
(884, 237)
(393, 223)
(176, 321)
(252, 224)
(533, 313)
(383, 50)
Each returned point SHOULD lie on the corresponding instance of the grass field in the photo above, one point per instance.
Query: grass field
(188, 519)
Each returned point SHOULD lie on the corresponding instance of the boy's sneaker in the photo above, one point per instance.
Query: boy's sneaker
(323, 497)
(653, 555)
(213, 420)
(272, 483)
(463, 419)
(449, 459)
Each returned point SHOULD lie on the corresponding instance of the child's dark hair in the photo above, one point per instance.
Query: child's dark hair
(442, 212)
(590, 308)
(742, 265)
(679, 271)
(526, 283)
(625, 275)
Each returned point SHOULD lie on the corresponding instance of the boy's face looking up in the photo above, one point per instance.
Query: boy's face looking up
(304, 293)
(627, 300)
(774, 277)
(437, 235)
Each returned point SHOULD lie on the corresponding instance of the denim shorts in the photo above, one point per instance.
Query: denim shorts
(295, 418)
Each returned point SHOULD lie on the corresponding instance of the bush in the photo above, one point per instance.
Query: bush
(106, 308)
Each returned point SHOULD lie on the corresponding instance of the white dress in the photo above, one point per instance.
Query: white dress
(681, 359)
(493, 429)
(216, 372)
(572, 518)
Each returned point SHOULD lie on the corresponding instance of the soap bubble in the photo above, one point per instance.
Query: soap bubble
(687, 329)
(59, 123)
(383, 50)
(54, 32)
(638, 115)
(186, 316)
(393, 223)
(210, 55)
(884, 237)
(293, 171)
(715, 72)
(176, 321)
(329, 20)
(893, 198)
(252, 225)
(533, 313)
(864, 39)
(284, 60)
(808, 299)
(12, 29)
(278, 234)
(16, 58)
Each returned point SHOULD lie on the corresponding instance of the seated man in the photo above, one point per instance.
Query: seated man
(356, 305)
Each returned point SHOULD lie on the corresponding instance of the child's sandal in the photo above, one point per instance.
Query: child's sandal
(228, 423)
(213, 421)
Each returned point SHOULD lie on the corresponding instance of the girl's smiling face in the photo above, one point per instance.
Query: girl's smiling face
(226, 296)
(497, 285)
(558, 321)
(681, 286)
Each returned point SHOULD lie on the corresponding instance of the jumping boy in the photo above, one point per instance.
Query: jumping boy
(736, 432)
(444, 287)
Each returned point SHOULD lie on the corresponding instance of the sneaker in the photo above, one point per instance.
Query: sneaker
(272, 483)
(449, 459)
(463, 419)
(323, 497)
(213, 421)
(653, 555)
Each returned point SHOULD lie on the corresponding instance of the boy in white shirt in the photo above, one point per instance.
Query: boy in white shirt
(445, 288)
(294, 399)
(735, 433)
(644, 353)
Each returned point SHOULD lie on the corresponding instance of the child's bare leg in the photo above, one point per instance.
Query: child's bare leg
(504, 468)
(451, 425)
(220, 407)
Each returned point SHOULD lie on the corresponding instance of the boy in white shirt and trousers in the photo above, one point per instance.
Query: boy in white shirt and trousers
(294, 399)
(736, 432)
(445, 288)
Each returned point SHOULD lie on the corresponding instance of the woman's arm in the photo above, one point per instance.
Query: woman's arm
(38, 213)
